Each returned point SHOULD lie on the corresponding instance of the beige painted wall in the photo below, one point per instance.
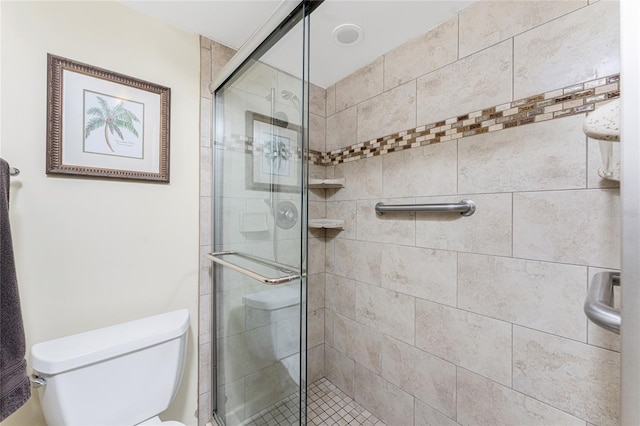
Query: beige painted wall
(91, 253)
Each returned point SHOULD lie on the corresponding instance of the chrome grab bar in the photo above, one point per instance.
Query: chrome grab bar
(217, 258)
(464, 207)
(599, 303)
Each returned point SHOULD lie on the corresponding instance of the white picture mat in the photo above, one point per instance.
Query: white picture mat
(262, 138)
(73, 86)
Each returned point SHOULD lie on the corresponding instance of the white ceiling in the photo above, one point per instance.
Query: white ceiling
(386, 24)
(230, 22)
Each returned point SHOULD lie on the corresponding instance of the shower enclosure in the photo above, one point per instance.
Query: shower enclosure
(327, 312)
(260, 242)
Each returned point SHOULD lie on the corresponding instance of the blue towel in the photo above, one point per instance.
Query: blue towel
(14, 383)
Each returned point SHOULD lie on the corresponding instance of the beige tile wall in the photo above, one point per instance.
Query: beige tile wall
(432, 50)
(567, 50)
(486, 23)
(489, 84)
(441, 319)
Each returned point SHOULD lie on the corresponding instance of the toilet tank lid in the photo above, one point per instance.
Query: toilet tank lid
(70, 352)
(275, 298)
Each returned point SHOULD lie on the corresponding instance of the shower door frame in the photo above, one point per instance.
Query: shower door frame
(271, 31)
(630, 195)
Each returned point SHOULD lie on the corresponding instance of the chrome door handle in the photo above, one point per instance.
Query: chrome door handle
(599, 303)
(217, 258)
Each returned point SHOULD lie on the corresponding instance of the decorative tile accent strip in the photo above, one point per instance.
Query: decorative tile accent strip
(572, 100)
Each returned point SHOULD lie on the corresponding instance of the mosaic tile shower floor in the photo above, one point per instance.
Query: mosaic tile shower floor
(328, 406)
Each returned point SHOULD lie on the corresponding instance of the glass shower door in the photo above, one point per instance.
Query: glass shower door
(260, 243)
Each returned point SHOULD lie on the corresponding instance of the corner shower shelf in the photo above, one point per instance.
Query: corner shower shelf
(604, 125)
(326, 183)
(337, 224)
(326, 224)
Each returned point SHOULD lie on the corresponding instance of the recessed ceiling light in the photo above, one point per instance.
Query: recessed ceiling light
(347, 34)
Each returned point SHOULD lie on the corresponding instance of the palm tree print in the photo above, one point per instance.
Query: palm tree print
(277, 151)
(112, 119)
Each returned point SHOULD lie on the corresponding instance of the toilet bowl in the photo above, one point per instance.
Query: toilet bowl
(122, 375)
(272, 321)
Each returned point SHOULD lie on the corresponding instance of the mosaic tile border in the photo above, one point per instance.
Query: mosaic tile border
(571, 100)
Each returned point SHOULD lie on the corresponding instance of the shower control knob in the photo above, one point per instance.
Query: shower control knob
(287, 215)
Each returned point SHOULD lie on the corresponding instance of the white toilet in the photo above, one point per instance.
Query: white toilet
(122, 375)
(272, 326)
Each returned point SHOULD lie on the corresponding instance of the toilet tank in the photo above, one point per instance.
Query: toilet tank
(273, 305)
(120, 375)
(272, 322)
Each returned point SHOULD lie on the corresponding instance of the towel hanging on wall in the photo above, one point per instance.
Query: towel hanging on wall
(14, 383)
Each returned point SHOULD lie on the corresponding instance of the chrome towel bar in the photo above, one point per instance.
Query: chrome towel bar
(464, 207)
(599, 302)
(217, 258)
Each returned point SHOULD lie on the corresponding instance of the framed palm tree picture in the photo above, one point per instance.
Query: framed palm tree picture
(273, 154)
(105, 124)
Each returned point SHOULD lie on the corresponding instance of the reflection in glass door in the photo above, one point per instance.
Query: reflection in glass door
(260, 228)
